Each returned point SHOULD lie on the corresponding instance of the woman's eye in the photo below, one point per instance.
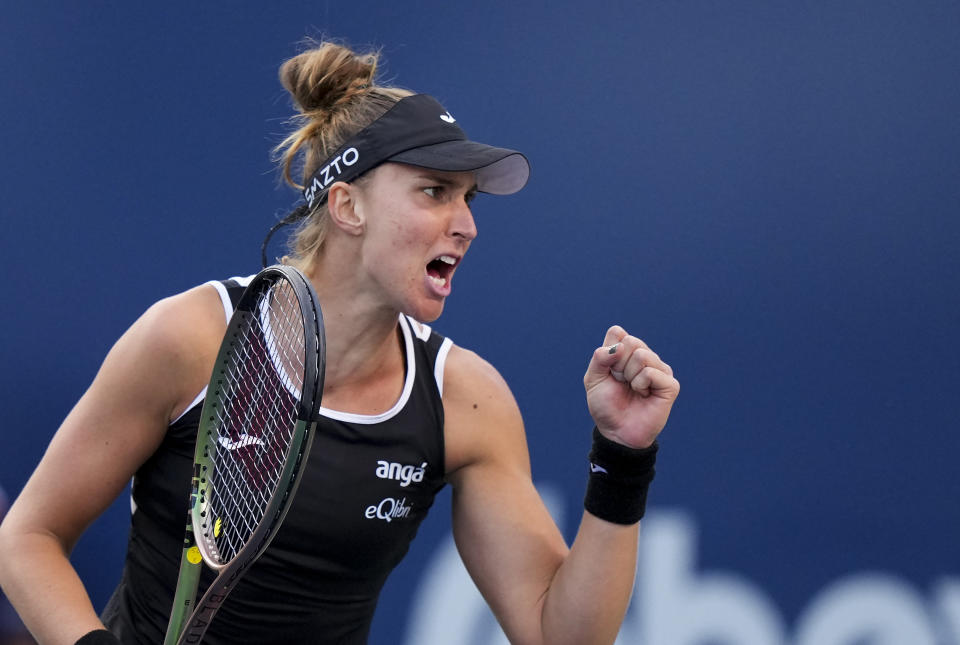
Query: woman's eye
(433, 191)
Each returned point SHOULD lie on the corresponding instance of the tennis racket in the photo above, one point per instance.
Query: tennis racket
(259, 416)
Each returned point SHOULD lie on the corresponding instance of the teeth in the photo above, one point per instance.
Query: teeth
(440, 282)
(447, 259)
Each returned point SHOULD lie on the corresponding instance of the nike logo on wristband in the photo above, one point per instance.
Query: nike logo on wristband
(597, 469)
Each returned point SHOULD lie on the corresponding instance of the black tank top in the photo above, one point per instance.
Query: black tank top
(367, 486)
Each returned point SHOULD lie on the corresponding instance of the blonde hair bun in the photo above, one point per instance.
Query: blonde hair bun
(329, 75)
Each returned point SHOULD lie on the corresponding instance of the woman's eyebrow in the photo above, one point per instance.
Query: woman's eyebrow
(444, 180)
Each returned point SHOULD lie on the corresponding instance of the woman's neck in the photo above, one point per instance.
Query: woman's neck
(361, 333)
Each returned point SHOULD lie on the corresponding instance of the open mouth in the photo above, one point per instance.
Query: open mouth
(440, 269)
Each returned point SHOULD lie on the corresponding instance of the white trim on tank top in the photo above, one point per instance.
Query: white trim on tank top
(404, 395)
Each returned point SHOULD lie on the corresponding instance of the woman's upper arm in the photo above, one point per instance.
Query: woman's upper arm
(507, 539)
(121, 418)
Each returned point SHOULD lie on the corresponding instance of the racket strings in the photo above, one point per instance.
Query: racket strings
(256, 418)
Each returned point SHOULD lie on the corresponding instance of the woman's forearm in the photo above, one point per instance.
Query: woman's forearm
(44, 588)
(589, 595)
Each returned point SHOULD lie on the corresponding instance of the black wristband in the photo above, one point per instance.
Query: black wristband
(98, 637)
(619, 479)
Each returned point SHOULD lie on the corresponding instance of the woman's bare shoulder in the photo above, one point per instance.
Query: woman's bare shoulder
(483, 420)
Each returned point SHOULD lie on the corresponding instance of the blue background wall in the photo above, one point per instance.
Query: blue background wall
(765, 191)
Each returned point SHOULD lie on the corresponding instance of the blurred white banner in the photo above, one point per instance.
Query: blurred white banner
(674, 604)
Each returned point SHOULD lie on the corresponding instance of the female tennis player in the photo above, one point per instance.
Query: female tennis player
(387, 178)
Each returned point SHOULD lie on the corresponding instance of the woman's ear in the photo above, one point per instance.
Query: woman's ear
(345, 210)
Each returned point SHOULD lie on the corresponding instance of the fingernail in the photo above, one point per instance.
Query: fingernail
(613, 349)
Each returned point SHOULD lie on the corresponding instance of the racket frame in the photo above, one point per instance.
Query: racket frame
(186, 626)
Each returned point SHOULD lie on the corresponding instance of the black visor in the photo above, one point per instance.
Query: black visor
(418, 131)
